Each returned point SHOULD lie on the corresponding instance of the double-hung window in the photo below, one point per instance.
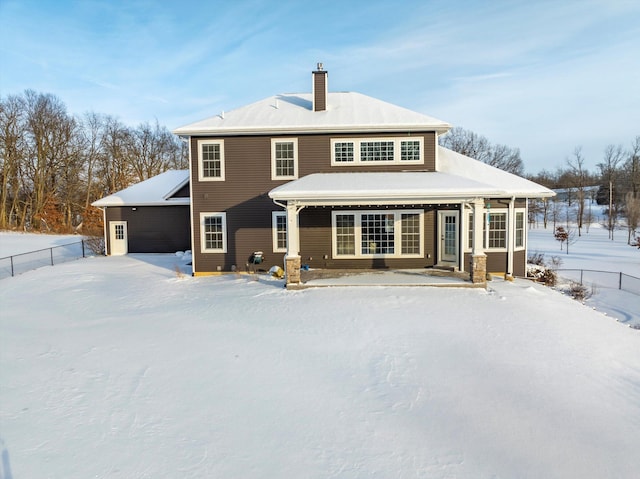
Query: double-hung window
(376, 151)
(211, 160)
(213, 232)
(497, 237)
(377, 233)
(279, 229)
(284, 158)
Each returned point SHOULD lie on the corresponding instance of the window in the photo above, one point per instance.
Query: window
(345, 234)
(377, 233)
(519, 229)
(279, 228)
(410, 150)
(411, 237)
(284, 159)
(376, 151)
(497, 230)
(213, 232)
(211, 160)
(119, 233)
(367, 151)
(343, 152)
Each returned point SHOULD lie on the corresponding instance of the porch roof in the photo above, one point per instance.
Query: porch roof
(459, 178)
(398, 187)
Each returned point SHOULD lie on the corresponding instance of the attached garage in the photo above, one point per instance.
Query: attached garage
(149, 217)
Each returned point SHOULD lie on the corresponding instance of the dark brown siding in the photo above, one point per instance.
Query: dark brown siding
(153, 229)
(243, 196)
(182, 192)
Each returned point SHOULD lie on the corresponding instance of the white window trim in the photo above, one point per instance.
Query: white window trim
(201, 176)
(468, 223)
(274, 228)
(397, 151)
(274, 141)
(203, 249)
(358, 234)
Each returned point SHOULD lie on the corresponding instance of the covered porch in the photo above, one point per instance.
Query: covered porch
(368, 201)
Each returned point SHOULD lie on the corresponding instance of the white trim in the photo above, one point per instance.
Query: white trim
(397, 151)
(274, 142)
(123, 243)
(357, 214)
(274, 230)
(203, 249)
(440, 238)
(201, 176)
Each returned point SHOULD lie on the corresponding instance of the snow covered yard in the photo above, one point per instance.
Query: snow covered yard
(120, 367)
(595, 251)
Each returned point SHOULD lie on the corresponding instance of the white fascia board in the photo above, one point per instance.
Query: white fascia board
(111, 202)
(297, 130)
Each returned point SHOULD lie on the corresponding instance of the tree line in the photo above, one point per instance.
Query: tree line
(615, 184)
(53, 165)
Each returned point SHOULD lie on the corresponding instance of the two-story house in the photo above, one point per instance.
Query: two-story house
(343, 180)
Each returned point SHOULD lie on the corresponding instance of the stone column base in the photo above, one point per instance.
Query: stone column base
(479, 268)
(293, 269)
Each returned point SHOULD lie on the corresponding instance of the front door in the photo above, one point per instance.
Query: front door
(448, 233)
(118, 237)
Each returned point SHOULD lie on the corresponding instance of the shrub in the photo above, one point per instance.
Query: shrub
(95, 244)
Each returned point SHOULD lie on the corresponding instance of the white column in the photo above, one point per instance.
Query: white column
(478, 257)
(478, 226)
(511, 235)
(293, 235)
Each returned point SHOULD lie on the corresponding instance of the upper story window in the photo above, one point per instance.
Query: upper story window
(211, 160)
(376, 151)
(368, 151)
(284, 159)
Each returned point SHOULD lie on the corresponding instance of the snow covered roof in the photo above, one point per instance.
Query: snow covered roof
(293, 113)
(458, 177)
(156, 191)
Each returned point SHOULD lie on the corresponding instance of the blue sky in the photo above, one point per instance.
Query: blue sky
(543, 76)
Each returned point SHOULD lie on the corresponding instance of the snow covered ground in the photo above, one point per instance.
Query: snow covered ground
(595, 251)
(121, 367)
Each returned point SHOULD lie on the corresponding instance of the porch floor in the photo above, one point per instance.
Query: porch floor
(387, 277)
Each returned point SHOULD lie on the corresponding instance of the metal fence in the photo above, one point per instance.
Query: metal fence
(20, 263)
(602, 279)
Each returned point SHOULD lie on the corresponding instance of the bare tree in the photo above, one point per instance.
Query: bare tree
(579, 177)
(609, 176)
(476, 146)
(632, 212)
(12, 149)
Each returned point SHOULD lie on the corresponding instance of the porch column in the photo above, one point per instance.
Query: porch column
(478, 257)
(511, 237)
(292, 259)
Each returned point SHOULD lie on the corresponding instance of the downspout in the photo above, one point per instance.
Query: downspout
(104, 227)
(193, 239)
(463, 237)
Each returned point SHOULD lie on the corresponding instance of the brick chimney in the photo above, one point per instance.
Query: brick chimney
(320, 89)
